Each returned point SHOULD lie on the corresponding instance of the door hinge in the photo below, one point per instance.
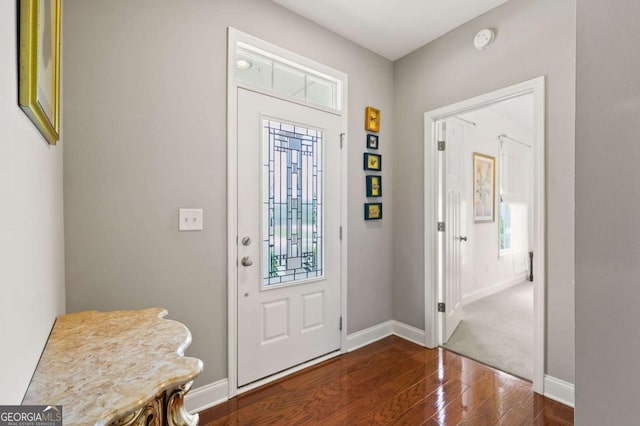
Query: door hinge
(440, 226)
(341, 323)
(341, 139)
(441, 307)
(341, 233)
(441, 145)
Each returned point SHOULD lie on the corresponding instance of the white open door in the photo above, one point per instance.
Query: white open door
(288, 235)
(453, 243)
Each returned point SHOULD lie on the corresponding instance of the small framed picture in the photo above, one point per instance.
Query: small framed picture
(372, 141)
(374, 186)
(373, 211)
(372, 162)
(372, 119)
(484, 188)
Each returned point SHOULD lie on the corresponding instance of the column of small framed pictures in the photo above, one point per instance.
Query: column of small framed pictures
(372, 163)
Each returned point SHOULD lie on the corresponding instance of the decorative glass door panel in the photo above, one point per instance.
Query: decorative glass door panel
(292, 200)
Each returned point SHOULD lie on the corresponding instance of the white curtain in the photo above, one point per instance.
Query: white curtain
(515, 190)
(515, 172)
(519, 238)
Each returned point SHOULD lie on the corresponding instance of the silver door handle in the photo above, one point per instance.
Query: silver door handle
(463, 238)
(246, 261)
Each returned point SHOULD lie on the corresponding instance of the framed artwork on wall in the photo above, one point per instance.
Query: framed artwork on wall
(374, 186)
(484, 188)
(372, 119)
(372, 162)
(372, 141)
(39, 65)
(372, 211)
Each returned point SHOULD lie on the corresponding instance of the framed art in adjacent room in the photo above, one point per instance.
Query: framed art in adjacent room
(372, 141)
(372, 211)
(372, 162)
(372, 119)
(39, 65)
(484, 187)
(374, 186)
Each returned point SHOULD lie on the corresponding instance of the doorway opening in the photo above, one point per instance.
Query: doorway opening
(484, 195)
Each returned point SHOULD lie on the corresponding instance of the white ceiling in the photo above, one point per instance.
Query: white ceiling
(519, 111)
(390, 28)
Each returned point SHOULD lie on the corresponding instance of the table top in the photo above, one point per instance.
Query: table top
(101, 366)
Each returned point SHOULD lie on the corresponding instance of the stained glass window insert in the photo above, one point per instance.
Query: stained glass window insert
(292, 203)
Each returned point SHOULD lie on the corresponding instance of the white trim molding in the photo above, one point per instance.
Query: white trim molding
(369, 335)
(433, 285)
(492, 289)
(207, 396)
(408, 332)
(559, 390)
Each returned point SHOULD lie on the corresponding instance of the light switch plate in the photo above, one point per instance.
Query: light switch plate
(190, 220)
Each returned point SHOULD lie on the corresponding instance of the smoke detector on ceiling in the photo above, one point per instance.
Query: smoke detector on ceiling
(484, 38)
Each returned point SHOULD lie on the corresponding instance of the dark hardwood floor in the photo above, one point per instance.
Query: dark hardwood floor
(393, 381)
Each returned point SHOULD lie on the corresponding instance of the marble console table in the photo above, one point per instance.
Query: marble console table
(116, 368)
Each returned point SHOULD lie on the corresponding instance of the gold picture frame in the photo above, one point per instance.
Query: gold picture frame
(484, 188)
(39, 65)
(372, 119)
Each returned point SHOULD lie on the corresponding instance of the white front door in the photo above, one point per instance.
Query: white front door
(288, 235)
(455, 235)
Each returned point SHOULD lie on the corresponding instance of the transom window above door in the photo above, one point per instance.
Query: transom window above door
(272, 74)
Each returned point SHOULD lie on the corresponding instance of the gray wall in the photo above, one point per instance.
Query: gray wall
(145, 102)
(534, 37)
(31, 228)
(607, 211)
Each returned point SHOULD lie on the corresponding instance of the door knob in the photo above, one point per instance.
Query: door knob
(463, 238)
(246, 261)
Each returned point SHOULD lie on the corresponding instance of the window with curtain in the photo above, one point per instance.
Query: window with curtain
(515, 184)
(505, 227)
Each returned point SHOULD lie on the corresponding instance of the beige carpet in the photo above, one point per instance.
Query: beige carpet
(498, 331)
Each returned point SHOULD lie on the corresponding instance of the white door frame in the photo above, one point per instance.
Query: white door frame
(236, 38)
(433, 280)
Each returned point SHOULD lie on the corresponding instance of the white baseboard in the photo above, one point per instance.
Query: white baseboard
(369, 335)
(408, 332)
(493, 289)
(373, 334)
(559, 390)
(207, 396)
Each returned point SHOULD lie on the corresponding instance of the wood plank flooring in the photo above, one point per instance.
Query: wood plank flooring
(393, 381)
